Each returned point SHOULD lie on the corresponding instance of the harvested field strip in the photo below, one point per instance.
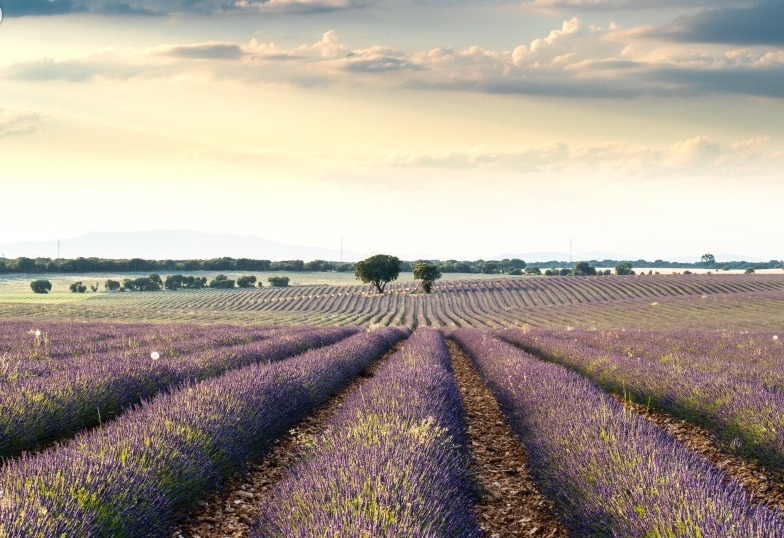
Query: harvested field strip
(231, 510)
(509, 503)
(134, 476)
(391, 462)
(608, 471)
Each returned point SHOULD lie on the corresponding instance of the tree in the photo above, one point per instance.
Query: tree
(111, 285)
(379, 270)
(278, 281)
(174, 282)
(246, 281)
(583, 269)
(749, 270)
(143, 283)
(94, 287)
(533, 271)
(428, 273)
(41, 286)
(708, 259)
(222, 281)
(77, 287)
(624, 268)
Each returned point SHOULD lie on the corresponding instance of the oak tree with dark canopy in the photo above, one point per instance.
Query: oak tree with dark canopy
(378, 270)
(428, 273)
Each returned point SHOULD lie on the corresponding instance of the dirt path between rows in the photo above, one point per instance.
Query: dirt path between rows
(763, 485)
(509, 503)
(230, 511)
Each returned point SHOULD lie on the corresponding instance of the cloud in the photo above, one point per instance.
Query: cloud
(574, 60)
(125, 8)
(301, 6)
(213, 51)
(570, 6)
(14, 122)
(700, 155)
(758, 24)
(19, 8)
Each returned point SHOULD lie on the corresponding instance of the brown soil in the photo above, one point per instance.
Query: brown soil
(509, 503)
(763, 485)
(230, 511)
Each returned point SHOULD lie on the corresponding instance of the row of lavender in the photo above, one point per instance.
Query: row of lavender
(22, 339)
(132, 477)
(609, 471)
(739, 409)
(53, 353)
(40, 409)
(756, 357)
(391, 462)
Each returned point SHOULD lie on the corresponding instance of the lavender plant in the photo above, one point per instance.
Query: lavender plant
(37, 410)
(743, 412)
(392, 462)
(608, 471)
(132, 477)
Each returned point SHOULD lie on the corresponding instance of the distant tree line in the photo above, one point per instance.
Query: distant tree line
(103, 265)
(513, 266)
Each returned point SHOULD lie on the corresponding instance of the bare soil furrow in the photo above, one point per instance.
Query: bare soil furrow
(763, 485)
(509, 503)
(229, 512)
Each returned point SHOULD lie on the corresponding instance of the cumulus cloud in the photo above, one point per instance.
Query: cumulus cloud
(574, 60)
(758, 24)
(618, 160)
(15, 122)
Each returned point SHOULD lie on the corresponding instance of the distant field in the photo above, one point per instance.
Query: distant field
(13, 287)
(659, 301)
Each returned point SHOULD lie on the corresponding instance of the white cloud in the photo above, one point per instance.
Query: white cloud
(698, 155)
(576, 59)
(16, 122)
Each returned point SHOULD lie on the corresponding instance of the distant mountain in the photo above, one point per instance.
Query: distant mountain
(172, 245)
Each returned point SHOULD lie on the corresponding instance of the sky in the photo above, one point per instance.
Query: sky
(419, 128)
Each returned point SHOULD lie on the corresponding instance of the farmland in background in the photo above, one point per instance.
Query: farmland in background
(657, 301)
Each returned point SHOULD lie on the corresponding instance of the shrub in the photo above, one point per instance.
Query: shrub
(278, 281)
(222, 281)
(143, 283)
(111, 285)
(246, 281)
(77, 287)
(624, 268)
(41, 286)
(583, 269)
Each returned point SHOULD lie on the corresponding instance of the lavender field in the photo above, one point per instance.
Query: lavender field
(365, 429)
(644, 301)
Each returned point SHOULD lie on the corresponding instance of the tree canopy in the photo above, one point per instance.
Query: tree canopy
(428, 273)
(378, 270)
(41, 286)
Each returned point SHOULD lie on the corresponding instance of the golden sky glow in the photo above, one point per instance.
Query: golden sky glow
(490, 129)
